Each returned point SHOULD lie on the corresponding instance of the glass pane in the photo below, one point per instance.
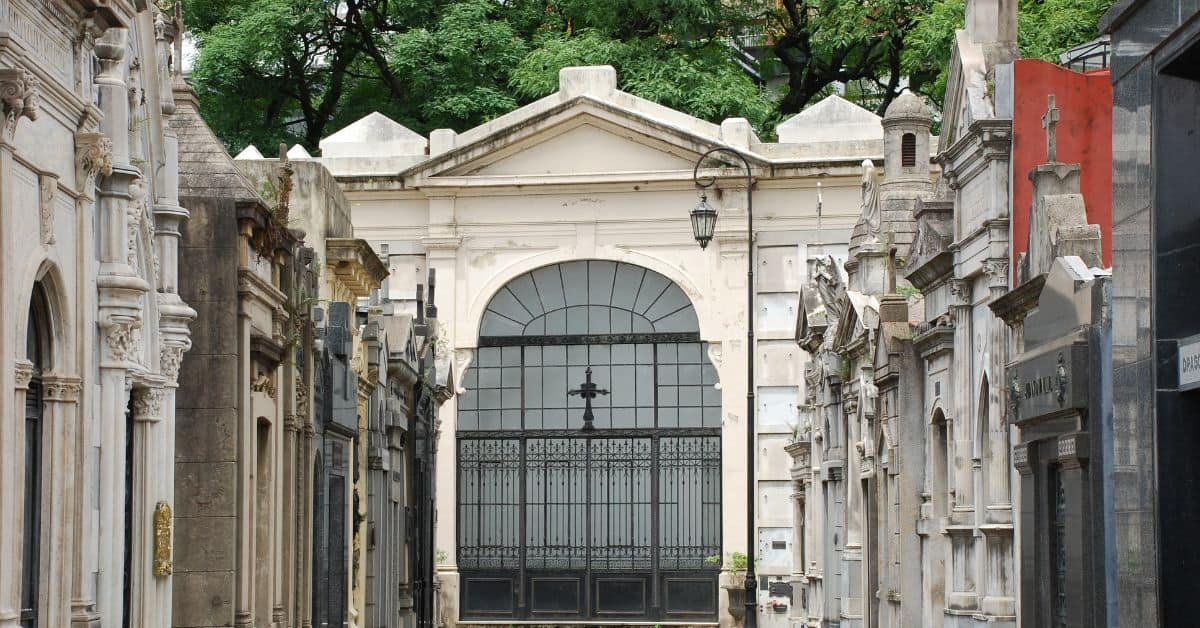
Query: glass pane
(629, 281)
(489, 356)
(523, 289)
(600, 282)
(575, 282)
(549, 286)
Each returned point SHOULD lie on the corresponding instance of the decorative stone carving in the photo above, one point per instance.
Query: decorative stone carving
(170, 357)
(47, 190)
(997, 273)
(24, 372)
(960, 292)
(832, 288)
(61, 389)
(133, 219)
(122, 342)
(263, 383)
(93, 156)
(20, 95)
(148, 404)
(162, 540)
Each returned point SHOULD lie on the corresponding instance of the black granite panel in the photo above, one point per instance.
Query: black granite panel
(1179, 510)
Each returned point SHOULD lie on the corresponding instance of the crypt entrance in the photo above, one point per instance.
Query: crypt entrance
(589, 453)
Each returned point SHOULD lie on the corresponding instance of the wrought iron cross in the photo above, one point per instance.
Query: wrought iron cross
(1050, 122)
(588, 391)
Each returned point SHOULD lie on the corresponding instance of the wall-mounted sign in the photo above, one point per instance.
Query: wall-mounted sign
(1189, 363)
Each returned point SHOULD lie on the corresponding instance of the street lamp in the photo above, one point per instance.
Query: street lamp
(704, 219)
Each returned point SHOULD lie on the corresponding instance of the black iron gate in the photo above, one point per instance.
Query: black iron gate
(582, 498)
(608, 525)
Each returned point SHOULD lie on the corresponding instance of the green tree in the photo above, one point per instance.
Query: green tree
(1046, 28)
(823, 42)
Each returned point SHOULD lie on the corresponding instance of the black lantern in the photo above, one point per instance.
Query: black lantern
(704, 220)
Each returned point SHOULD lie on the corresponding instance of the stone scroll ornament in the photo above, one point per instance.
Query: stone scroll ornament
(19, 92)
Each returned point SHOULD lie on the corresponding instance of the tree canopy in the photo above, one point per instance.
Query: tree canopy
(271, 71)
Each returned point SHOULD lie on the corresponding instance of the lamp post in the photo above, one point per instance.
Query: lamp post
(704, 219)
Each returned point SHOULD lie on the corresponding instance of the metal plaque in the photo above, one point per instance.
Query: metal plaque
(1048, 383)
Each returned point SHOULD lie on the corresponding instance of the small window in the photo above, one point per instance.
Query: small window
(908, 150)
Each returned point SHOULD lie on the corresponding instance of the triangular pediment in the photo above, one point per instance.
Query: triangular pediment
(583, 145)
(580, 137)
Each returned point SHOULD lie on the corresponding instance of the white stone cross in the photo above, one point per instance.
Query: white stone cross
(1050, 122)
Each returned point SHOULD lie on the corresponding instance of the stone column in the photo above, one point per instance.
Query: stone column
(959, 476)
(1025, 459)
(17, 86)
(60, 395)
(147, 589)
(442, 248)
(12, 470)
(1074, 475)
(999, 497)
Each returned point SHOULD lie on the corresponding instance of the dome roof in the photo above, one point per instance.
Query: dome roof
(908, 105)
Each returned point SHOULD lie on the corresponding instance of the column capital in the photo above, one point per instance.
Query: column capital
(148, 404)
(997, 273)
(61, 388)
(960, 292)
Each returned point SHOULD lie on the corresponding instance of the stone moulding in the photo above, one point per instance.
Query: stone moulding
(354, 262)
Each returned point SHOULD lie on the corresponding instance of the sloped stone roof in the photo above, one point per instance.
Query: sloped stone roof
(205, 168)
(373, 135)
(833, 119)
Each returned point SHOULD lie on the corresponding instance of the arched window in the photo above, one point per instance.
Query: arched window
(908, 150)
(589, 506)
(37, 351)
(939, 487)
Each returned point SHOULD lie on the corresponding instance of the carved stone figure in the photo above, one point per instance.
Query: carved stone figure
(830, 285)
(870, 200)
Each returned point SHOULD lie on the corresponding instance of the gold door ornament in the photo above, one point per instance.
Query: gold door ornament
(162, 540)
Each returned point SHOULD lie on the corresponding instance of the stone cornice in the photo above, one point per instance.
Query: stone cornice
(984, 141)
(934, 342)
(355, 264)
(933, 271)
(1019, 302)
(255, 287)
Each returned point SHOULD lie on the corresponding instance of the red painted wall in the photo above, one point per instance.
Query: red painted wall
(1084, 137)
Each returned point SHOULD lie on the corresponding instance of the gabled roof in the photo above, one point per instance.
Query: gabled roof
(374, 135)
(588, 97)
(833, 119)
(205, 168)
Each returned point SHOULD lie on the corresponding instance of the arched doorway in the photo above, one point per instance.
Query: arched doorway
(582, 505)
(38, 352)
